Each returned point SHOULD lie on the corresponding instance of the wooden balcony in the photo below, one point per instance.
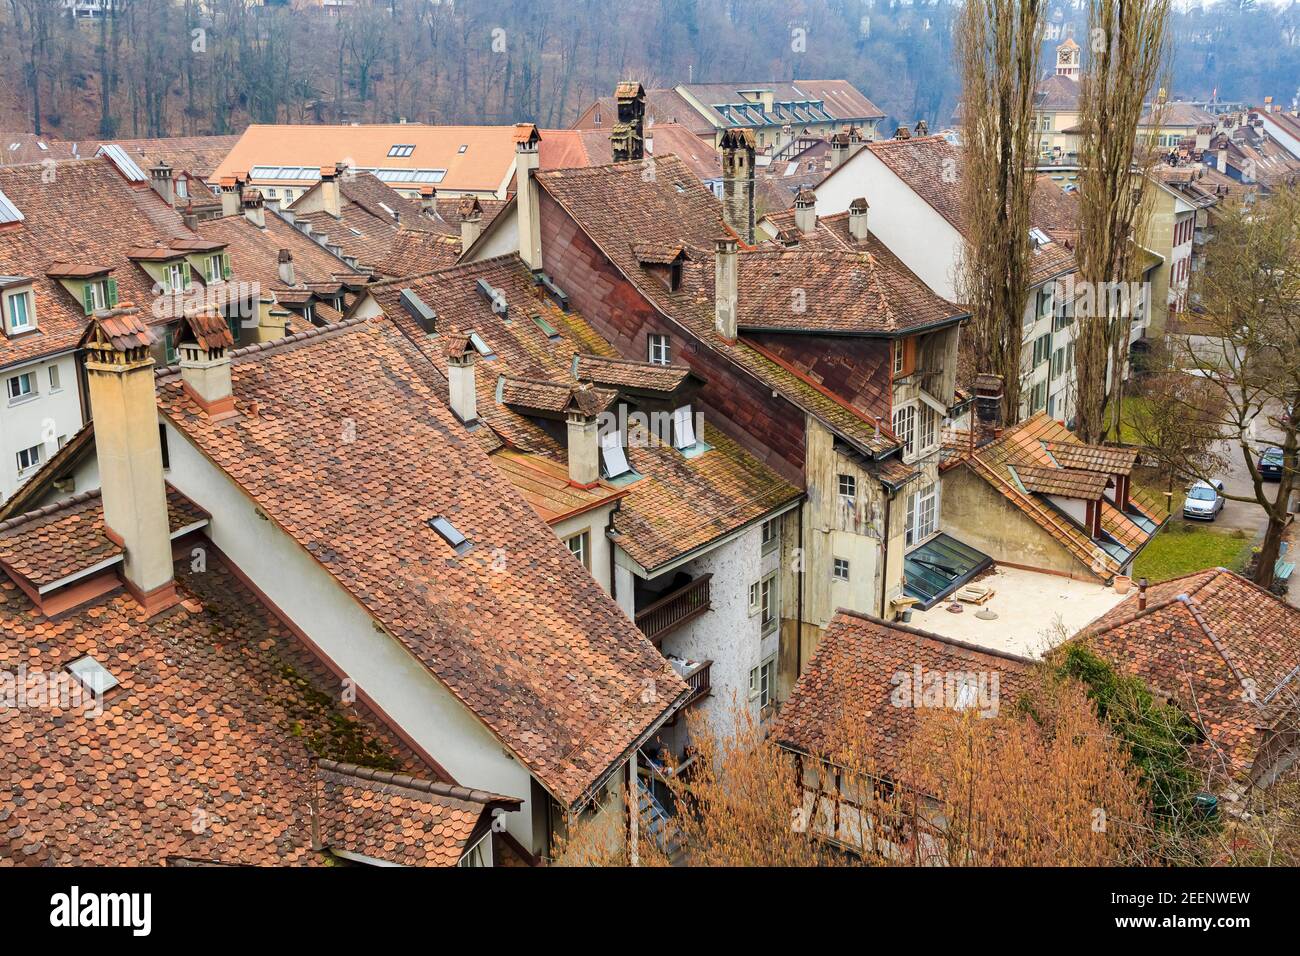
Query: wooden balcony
(697, 679)
(674, 609)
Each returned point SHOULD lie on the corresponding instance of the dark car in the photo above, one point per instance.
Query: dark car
(1270, 464)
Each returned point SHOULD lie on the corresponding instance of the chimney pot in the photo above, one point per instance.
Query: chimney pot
(738, 182)
(1142, 594)
(461, 384)
(858, 220)
(583, 448)
(284, 266)
(160, 178)
(253, 208)
(805, 211)
(528, 199)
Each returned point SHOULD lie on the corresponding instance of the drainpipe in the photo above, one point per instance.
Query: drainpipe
(884, 563)
(613, 565)
(798, 631)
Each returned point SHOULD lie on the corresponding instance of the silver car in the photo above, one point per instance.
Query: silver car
(1204, 500)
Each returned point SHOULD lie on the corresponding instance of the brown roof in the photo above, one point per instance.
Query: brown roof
(679, 503)
(255, 253)
(544, 483)
(482, 167)
(1024, 446)
(611, 203)
(854, 679)
(208, 329)
(840, 100)
(563, 692)
(205, 751)
(397, 818)
(1227, 651)
(1103, 458)
(662, 106)
(1066, 482)
(1056, 92)
(1054, 210)
(1180, 114)
(68, 538)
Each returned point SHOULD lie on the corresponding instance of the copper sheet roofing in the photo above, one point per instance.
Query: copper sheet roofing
(610, 203)
(679, 503)
(68, 538)
(542, 656)
(205, 750)
(1224, 649)
(1024, 446)
(483, 166)
(851, 682)
(398, 818)
(1066, 482)
(544, 483)
(1103, 458)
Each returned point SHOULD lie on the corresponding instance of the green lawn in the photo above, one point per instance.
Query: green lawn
(1131, 407)
(1182, 547)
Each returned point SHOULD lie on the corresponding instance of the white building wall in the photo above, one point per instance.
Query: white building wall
(594, 523)
(43, 418)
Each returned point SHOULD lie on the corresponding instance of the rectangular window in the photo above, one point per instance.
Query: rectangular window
(922, 514)
(611, 452)
(929, 431)
(683, 427)
(1042, 349)
(216, 268)
(19, 312)
(580, 547)
(767, 603)
(401, 150)
(1058, 362)
(20, 386)
(905, 426)
(761, 682)
(770, 535)
(54, 378)
(29, 458)
(841, 571)
(755, 599)
(848, 491)
(178, 276)
(657, 349)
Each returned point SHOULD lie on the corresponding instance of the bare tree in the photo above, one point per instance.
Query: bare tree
(1127, 47)
(1248, 351)
(999, 45)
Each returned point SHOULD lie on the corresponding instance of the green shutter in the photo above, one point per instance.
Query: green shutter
(88, 298)
(233, 322)
(226, 271)
(171, 345)
(185, 271)
(112, 293)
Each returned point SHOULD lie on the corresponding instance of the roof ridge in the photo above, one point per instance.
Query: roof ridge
(63, 504)
(459, 266)
(1186, 601)
(435, 787)
(275, 345)
(918, 632)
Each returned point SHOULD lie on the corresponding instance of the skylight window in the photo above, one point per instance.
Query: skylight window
(447, 531)
(611, 451)
(93, 675)
(683, 428)
(547, 329)
(402, 149)
(480, 346)
(463, 148)
(8, 211)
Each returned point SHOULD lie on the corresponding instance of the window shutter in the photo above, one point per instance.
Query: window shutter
(171, 345)
(185, 273)
(87, 298)
(233, 322)
(225, 266)
(112, 293)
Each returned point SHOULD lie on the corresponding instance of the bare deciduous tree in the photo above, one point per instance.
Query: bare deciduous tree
(999, 44)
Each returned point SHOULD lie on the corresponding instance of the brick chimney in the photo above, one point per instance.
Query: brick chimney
(858, 220)
(204, 343)
(253, 208)
(471, 221)
(123, 404)
(584, 447)
(232, 188)
(738, 182)
(805, 211)
(461, 388)
(429, 198)
(284, 267)
(726, 287)
(330, 197)
(627, 136)
(160, 178)
(988, 400)
(527, 200)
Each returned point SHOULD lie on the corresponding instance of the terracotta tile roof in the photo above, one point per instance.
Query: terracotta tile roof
(556, 397)
(1056, 92)
(613, 202)
(839, 100)
(208, 329)
(1103, 458)
(199, 155)
(205, 751)
(679, 503)
(68, 538)
(93, 218)
(663, 106)
(832, 233)
(841, 292)
(483, 166)
(852, 677)
(1067, 482)
(444, 216)
(1025, 447)
(1180, 114)
(399, 818)
(123, 328)
(1227, 651)
(563, 690)
(630, 374)
(1054, 210)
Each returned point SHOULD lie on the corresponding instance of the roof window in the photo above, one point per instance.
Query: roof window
(448, 532)
(93, 675)
(401, 149)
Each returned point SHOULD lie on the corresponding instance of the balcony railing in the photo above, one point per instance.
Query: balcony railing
(697, 679)
(674, 609)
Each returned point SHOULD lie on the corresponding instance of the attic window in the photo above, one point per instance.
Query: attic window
(481, 347)
(611, 451)
(93, 675)
(402, 149)
(447, 531)
(683, 428)
(463, 148)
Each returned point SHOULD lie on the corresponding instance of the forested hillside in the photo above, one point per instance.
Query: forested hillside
(174, 67)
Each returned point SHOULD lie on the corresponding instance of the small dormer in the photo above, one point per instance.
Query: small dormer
(18, 305)
(90, 284)
(664, 261)
(167, 267)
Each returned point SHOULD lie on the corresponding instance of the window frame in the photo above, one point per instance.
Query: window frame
(904, 425)
(658, 349)
(20, 396)
(55, 378)
(840, 569)
(33, 455)
(583, 551)
(29, 312)
(771, 535)
(769, 611)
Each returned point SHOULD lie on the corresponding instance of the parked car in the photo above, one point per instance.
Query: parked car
(1270, 464)
(1204, 500)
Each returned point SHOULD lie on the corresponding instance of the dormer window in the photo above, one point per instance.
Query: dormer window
(19, 312)
(218, 267)
(178, 276)
(99, 294)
